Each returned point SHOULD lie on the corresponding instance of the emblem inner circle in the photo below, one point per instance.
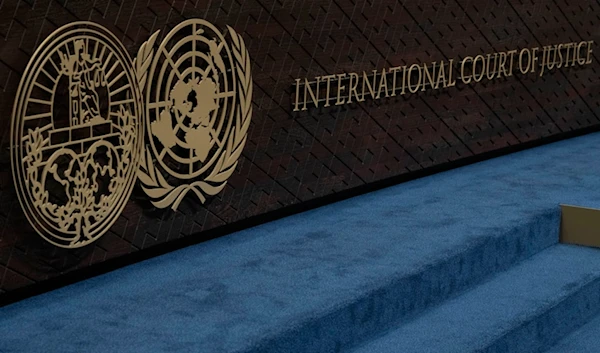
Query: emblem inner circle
(190, 99)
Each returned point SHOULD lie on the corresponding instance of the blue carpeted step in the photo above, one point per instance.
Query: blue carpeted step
(584, 340)
(323, 280)
(527, 308)
(312, 293)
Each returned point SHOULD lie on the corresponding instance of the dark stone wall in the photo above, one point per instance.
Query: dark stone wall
(291, 159)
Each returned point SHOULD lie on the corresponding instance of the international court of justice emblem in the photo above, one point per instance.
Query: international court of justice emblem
(77, 134)
(198, 89)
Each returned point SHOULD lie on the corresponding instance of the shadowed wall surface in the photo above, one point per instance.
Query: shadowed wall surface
(291, 158)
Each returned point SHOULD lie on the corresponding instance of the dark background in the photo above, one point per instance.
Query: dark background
(294, 161)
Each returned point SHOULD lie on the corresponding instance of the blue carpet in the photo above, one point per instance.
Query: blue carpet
(325, 280)
(584, 340)
(524, 309)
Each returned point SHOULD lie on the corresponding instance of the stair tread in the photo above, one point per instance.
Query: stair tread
(472, 321)
(238, 292)
(584, 340)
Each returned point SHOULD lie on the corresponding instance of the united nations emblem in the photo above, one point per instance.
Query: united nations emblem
(76, 134)
(198, 89)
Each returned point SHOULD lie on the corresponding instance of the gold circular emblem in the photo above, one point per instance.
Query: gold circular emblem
(76, 134)
(188, 98)
(198, 90)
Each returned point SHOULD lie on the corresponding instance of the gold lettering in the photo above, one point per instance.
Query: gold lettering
(544, 58)
(403, 80)
(308, 90)
(551, 63)
(560, 56)
(383, 85)
(568, 47)
(589, 52)
(462, 70)
(494, 72)
(441, 77)
(417, 77)
(482, 59)
(451, 83)
(395, 70)
(525, 50)
(329, 78)
(340, 89)
(353, 88)
(534, 58)
(502, 65)
(367, 83)
(418, 85)
(512, 54)
(575, 55)
(297, 103)
(428, 76)
(580, 58)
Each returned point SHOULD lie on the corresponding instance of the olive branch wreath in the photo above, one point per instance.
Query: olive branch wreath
(153, 182)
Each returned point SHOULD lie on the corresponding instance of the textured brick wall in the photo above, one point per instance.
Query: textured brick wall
(292, 158)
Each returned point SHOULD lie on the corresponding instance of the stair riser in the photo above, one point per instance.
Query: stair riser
(544, 330)
(407, 297)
